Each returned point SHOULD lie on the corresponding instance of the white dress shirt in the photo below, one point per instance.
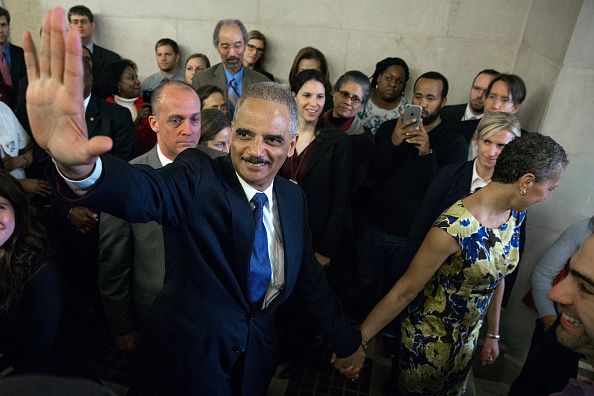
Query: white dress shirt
(477, 181)
(469, 115)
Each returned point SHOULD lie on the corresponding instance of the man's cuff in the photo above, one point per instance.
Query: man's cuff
(81, 187)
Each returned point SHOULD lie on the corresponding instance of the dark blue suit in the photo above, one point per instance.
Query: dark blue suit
(204, 332)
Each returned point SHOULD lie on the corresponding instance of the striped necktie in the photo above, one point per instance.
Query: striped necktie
(5, 70)
(232, 95)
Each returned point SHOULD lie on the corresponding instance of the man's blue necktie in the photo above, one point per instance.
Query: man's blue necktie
(260, 269)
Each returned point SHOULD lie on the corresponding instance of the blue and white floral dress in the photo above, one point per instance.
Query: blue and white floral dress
(441, 330)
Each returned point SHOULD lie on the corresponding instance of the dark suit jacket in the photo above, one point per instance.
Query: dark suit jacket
(327, 184)
(102, 58)
(104, 119)
(453, 114)
(215, 75)
(451, 183)
(202, 324)
(18, 70)
(109, 119)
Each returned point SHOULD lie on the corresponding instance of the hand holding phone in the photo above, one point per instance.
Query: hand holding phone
(147, 94)
(412, 112)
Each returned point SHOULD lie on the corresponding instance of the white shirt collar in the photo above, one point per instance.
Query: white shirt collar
(164, 160)
(251, 191)
(86, 101)
(469, 115)
(477, 181)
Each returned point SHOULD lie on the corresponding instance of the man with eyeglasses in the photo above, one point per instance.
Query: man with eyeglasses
(466, 116)
(80, 18)
(229, 38)
(505, 94)
(167, 55)
(407, 158)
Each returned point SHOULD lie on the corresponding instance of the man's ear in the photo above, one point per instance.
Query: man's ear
(154, 123)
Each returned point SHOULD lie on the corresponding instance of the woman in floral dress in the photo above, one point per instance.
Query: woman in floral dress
(458, 272)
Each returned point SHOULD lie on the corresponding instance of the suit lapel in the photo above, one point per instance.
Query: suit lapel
(92, 116)
(152, 158)
(242, 222)
(321, 146)
(220, 79)
(288, 217)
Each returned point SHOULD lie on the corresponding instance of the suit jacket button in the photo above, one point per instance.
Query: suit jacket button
(237, 348)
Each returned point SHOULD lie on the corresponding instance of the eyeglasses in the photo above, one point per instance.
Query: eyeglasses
(226, 47)
(346, 96)
(82, 21)
(252, 47)
(504, 100)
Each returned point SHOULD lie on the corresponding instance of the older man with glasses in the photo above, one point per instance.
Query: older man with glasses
(229, 38)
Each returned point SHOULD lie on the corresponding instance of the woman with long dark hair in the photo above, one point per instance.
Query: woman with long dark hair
(30, 304)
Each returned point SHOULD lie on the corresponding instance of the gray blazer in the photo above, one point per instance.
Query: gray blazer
(215, 75)
(131, 264)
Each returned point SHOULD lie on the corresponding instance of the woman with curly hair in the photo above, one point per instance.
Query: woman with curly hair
(458, 272)
(30, 303)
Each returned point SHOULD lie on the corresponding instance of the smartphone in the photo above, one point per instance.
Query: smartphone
(147, 95)
(413, 112)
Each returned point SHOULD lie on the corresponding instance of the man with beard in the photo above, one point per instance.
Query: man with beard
(167, 54)
(229, 38)
(406, 160)
(466, 116)
(561, 361)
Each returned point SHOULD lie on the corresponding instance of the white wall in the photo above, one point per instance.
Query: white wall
(455, 37)
(569, 119)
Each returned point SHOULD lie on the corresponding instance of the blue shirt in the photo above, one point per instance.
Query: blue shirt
(238, 79)
(7, 54)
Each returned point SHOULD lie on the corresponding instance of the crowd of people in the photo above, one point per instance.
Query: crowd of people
(253, 220)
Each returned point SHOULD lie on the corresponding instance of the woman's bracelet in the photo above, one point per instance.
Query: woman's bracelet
(493, 336)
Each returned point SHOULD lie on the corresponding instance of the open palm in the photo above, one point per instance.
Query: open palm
(54, 98)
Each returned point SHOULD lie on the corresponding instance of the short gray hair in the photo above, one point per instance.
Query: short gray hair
(495, 122)
(272, 92)
(228, 22)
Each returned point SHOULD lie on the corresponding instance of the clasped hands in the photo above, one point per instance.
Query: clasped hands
(350, 366)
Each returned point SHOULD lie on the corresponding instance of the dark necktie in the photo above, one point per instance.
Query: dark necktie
(260, 271)
(5, 69)
(232, 95)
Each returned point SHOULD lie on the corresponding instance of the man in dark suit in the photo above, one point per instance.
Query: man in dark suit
(230, 36)
(237, 242)
(12, 61)
(466, 116)
(132, 256)
(80, 18)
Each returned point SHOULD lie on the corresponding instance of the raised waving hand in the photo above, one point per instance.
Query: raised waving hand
(55, 98)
